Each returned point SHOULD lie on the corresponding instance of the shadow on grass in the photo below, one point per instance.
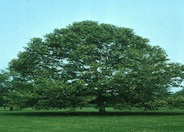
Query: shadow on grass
(54, 113)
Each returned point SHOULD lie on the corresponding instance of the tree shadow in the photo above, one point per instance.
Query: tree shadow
(58, 113)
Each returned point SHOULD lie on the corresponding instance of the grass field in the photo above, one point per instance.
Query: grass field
(89, 120)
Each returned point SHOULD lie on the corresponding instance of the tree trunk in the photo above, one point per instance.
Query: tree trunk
(11, 108)
(101, 102)
(4, 106)
(101, 107)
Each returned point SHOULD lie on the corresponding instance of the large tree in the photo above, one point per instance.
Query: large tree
(100, 64)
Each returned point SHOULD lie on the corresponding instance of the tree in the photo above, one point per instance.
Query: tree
(12, 90)
(100, 64)
(3, 86)
(176, 100)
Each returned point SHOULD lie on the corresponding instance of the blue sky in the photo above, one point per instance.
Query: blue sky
(161, 21)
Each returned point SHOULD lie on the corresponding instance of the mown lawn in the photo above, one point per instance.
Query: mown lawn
(87, 121)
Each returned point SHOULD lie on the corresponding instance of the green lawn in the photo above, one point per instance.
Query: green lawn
(80, 121)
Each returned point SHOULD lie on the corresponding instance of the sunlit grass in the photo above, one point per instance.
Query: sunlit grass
(88, 120)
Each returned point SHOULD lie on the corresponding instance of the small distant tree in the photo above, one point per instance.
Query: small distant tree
(12, 87)
(176, 100)
(99, 64)
(4, 85)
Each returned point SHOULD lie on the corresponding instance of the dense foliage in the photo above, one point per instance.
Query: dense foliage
(92, 64)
